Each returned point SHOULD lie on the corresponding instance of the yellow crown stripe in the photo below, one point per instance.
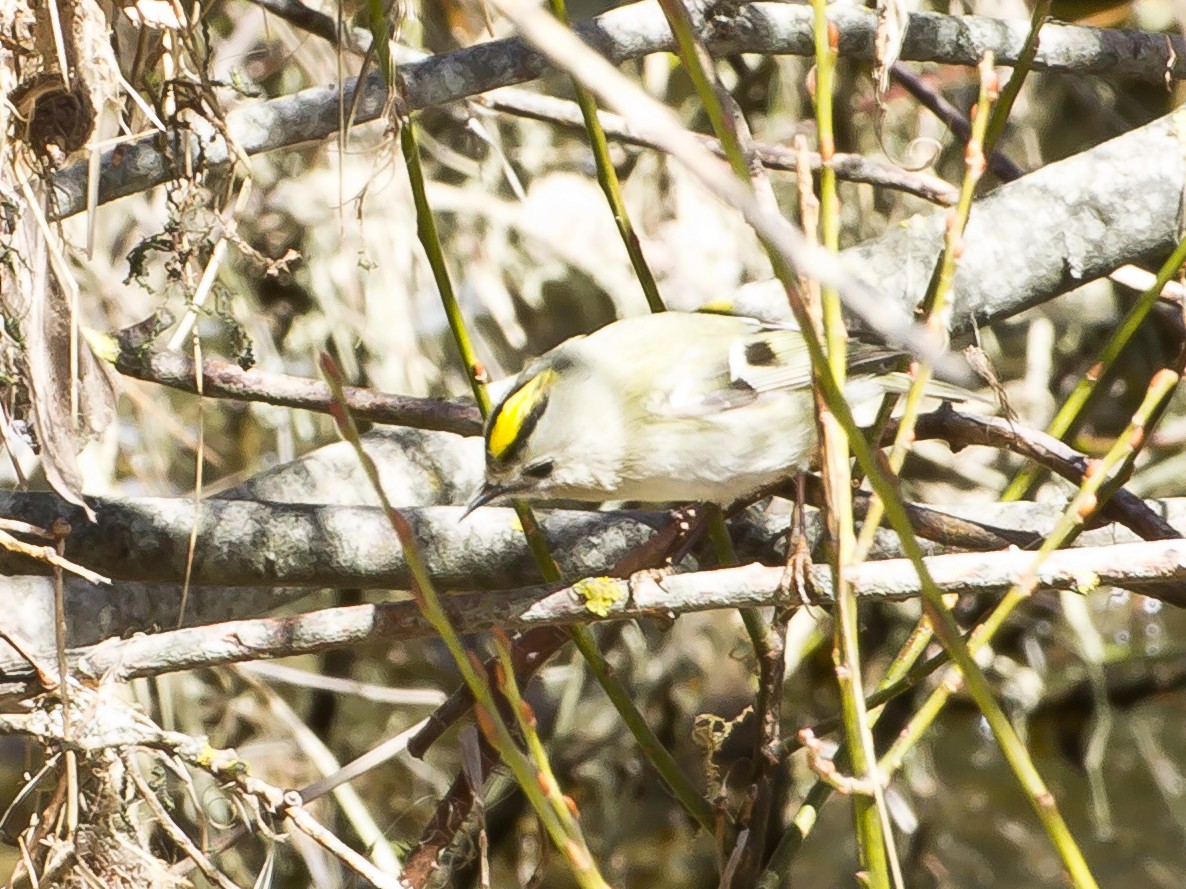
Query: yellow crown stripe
(514, 411)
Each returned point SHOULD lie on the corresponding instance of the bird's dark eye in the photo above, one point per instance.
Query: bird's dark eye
(539, 470)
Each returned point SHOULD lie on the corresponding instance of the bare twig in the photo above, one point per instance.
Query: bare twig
(222, 379)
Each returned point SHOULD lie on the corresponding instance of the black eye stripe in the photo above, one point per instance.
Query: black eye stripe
(539, 470)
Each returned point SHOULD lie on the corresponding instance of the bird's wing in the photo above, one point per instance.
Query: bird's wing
(776, 359)
(771, 359)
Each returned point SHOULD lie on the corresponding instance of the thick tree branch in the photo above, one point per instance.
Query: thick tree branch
(251, 543)
(1157, 569)
(254, 556)
(247, 543)
(1049, 232)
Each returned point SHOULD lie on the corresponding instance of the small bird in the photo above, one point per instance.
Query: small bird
(664, 408)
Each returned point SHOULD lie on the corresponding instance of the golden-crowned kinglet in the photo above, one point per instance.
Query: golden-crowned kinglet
(670, 407)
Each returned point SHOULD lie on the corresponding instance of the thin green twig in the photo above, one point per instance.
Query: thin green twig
(948, 633)
(657, 754)
(879, 861)
(1104, 478)
(1021, 70)
(936, 302)
(698, 66)
(564, 831)
(732, 132)
(607, 178)
(430, 239)
(1070, 415)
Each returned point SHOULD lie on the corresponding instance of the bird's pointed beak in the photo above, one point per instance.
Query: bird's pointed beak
(489, 491)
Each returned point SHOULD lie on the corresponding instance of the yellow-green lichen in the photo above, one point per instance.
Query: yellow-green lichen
(1085, 583)
(599, 593)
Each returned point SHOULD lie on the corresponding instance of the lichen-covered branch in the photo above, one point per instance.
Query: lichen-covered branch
(1156, 569)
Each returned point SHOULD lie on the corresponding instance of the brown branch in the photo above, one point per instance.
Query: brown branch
(850, 167)
(222, 379)
(961, 430)
(937, 526)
